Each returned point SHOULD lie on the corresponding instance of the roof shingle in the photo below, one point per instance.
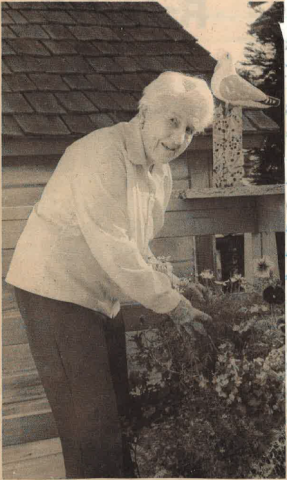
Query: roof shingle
(5, 68)
(10, 126)
(62, 18)
(126, 82)
(34, 16)
(58, 32)
(78, 82)
(101, 120)
(105, 48)
(43, 102)
(20, 83)
(76, 102)
(151, 64)
(28, 46)
(104, 65)
(29, 31)
(202, 63)
(15, 103)
(118, 18)
(169, 47)
(138, 6)
(175, 62)
(6, 19)
(148, 34)
(121, 116)
(131, 49)
(70, 67)
(51, 64)
(17, 16)
(7, 32)
(48, 82)
(42, 124)
(128, 64)
(5, 86)
(87, 49)
(100, 82)
(7, 49)
(25, 5)
(93, 33)
(91, 18)
(178, 34)
(141, 19)
(102, 101)
(78, 124)
(126, 101)
(63, 47)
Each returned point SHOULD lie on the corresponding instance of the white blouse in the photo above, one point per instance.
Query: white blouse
(87, 239)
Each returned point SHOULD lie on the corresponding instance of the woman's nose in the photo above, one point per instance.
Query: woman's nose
(178, 138)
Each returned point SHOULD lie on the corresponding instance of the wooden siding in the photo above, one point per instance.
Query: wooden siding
(42, 459)
(26, 413)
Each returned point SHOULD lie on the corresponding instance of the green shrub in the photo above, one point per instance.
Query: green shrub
(217, 407)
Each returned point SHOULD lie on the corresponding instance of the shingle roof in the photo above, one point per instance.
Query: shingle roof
(71, 67)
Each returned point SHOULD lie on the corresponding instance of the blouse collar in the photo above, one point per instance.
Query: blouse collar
(134, 144)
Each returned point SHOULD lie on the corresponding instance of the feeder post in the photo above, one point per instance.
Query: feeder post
(228, 159)
(228, 171)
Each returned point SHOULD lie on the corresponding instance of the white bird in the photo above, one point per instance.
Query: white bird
(232, 89)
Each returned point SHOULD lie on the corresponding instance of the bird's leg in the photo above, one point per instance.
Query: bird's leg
(226, 108)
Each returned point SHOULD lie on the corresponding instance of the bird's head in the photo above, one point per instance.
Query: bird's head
(225, 61)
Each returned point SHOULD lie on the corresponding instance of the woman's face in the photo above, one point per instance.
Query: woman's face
(167, 130)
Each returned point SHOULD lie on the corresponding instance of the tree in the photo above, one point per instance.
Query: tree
(264, 67)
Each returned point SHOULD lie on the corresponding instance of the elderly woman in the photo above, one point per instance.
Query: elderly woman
(85, 251)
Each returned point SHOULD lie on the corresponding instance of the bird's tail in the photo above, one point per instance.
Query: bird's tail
(271, 102)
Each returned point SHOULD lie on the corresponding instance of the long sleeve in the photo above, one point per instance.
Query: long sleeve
(101, 210)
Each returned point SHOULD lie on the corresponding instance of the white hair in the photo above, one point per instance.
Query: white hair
(176, 84)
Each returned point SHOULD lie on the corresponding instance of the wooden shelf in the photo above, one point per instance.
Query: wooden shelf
(236, 191)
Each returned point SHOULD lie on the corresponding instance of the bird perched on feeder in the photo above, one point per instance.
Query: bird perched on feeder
(234, 90)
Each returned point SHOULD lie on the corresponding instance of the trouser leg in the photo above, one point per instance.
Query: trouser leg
(68, 343)
(116, 342)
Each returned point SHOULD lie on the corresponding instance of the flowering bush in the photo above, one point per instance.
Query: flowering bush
(216, 411)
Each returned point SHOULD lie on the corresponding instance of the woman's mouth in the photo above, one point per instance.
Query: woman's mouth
(171, 150)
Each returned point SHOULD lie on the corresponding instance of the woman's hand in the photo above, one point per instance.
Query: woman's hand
(187, 318)
(196, 291)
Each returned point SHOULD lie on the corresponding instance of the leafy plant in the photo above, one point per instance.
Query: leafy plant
(216, 406)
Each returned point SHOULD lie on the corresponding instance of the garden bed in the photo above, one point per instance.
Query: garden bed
(212, 406)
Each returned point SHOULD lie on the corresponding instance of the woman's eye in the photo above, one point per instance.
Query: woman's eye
(173, 121)
(189, 130)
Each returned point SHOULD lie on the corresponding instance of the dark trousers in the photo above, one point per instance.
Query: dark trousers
(81, 359)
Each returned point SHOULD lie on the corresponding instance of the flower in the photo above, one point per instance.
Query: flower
(237, 277)
(203, 382)
(208, 274)
(263, 267)
(236, 328)
(163, 259)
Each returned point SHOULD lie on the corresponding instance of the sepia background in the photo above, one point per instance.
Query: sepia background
(71, 67)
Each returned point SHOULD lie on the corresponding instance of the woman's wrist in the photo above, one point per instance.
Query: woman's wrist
(182, 311)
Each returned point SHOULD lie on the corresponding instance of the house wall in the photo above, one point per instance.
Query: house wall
(26, 412)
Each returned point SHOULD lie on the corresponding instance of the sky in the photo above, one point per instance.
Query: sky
(217, 24)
